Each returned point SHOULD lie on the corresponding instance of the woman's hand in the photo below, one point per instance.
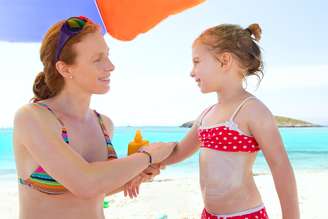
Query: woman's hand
(153, 170)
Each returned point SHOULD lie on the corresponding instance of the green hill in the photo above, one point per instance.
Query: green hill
(289, 122)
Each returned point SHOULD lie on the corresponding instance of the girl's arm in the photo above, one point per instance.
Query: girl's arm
(263, 127)
(185, 148)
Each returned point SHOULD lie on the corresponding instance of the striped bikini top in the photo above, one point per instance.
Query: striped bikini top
(226, 136)
(41, 181)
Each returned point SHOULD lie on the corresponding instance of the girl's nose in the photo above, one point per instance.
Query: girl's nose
(192, 74)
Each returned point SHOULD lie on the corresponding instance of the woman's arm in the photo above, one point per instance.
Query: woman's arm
(120, 189)
(131, 188)
(108, 123)
(263, 126)
(83, 179)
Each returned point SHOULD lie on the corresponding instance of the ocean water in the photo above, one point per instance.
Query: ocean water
(307, 148)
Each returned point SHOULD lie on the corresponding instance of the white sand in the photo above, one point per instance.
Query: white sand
(180, 198)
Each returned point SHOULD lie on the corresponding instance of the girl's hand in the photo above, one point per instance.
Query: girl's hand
(132, 187)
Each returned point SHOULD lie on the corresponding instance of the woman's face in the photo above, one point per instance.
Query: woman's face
(206, 69)
(92, 68)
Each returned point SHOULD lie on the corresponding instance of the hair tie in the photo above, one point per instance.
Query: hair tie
(249, 31)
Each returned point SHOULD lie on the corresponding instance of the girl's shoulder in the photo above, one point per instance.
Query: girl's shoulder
(256, 106)
(257, 111)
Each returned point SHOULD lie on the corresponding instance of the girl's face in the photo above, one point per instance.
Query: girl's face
(92, 68)
(207, 70)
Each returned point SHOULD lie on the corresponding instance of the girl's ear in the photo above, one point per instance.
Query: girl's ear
(225, 60)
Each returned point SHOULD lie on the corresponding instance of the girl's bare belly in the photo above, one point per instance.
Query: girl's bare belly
(227, 182)
(34, 204)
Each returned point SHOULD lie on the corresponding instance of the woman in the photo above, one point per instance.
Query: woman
(65, 161)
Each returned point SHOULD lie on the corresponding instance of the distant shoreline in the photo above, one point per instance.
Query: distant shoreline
(282, 122)
(185, 125)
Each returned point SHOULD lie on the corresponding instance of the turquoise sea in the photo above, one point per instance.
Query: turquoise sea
(307, 148)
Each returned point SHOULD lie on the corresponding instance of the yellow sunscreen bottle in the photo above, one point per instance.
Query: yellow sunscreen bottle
(137, 143)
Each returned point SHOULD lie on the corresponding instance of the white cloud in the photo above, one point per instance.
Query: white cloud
(19, 66)
(295, 77)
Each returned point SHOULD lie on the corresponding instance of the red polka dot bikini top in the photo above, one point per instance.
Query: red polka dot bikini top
(226, 136)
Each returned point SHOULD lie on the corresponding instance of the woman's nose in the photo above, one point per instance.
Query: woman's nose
(109, 65)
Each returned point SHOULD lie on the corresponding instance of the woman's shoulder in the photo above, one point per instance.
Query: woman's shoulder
(28, 110)
(31, 113)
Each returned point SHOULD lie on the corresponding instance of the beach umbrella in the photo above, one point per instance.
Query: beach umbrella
(28, 20)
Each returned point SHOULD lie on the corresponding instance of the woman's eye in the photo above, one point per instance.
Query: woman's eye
(195, 61)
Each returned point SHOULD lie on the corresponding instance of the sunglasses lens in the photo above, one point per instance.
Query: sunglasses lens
(75, 24)
(71, 27)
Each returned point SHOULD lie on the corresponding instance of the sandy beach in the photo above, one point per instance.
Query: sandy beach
(180, 198)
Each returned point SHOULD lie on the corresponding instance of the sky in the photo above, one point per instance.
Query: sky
(151, 84)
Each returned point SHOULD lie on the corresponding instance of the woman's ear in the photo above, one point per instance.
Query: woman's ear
(63, 69)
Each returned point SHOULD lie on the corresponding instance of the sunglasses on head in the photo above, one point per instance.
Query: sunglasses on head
(70, 28)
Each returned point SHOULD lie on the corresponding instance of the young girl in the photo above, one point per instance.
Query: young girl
(231, 132)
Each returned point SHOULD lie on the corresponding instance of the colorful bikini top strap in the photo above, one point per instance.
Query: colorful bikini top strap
(48, 108)
(240, 106)
(103, 128)
(64, 130)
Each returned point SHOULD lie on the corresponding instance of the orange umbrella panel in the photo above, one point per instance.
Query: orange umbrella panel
(125, 19)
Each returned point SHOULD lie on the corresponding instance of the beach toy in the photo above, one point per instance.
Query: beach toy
(106, 203)
(137, 143)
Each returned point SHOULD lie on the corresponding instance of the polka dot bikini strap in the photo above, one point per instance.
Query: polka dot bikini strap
(204, 114)
(240, 106)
